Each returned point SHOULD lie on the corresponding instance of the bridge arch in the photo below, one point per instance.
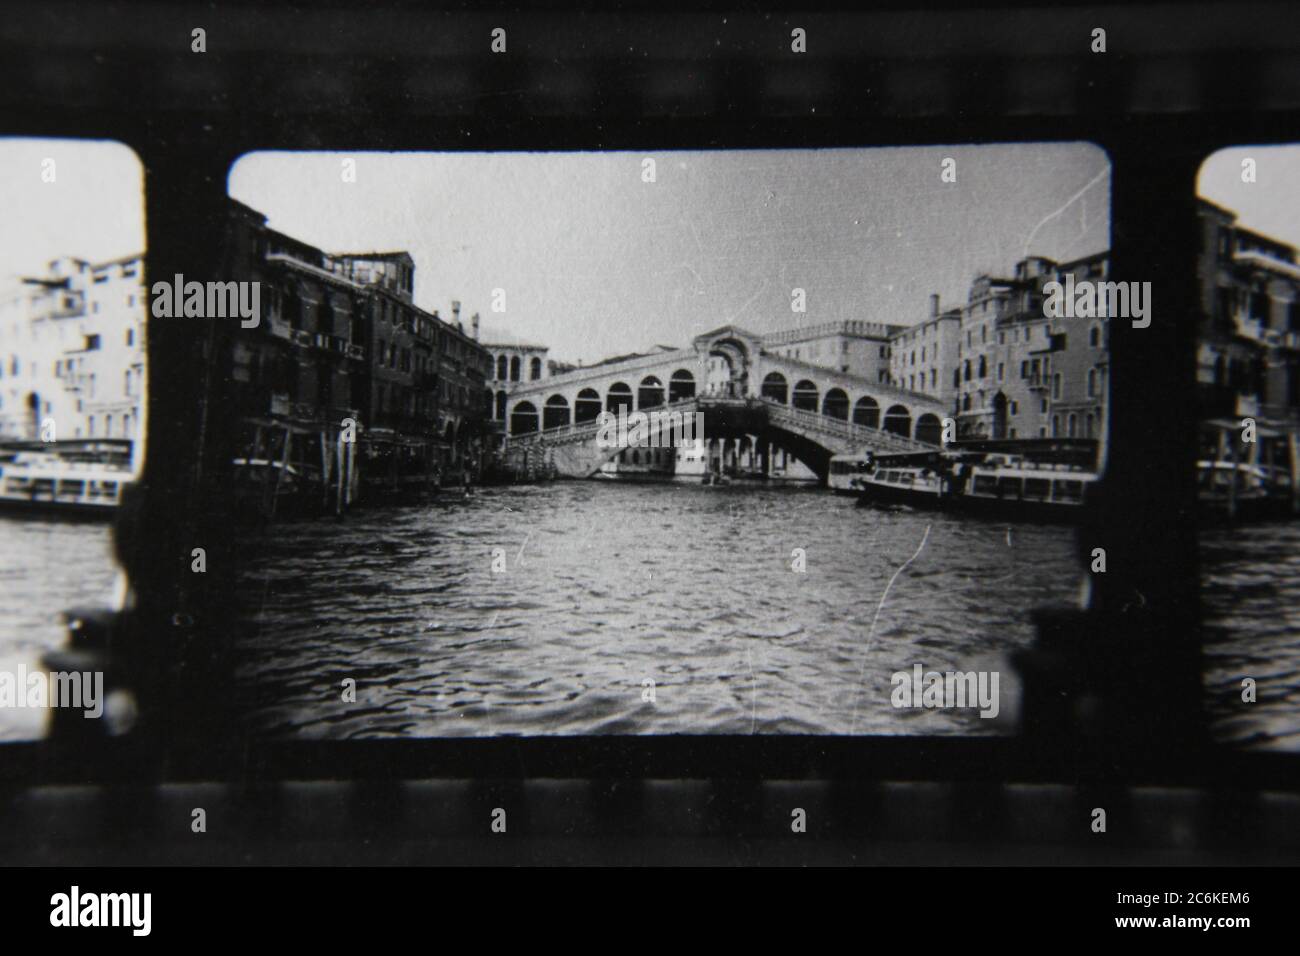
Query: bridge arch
(929, 429)
(681, 385)
(619, 396)
(898, 420)
(586, 407)
(556, 412)
(776, 388)
(836, 404)
(650, 392)
(523, 419)
(866, 411)
(805, 395)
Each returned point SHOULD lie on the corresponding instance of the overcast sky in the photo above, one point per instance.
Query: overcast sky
(93, 209)
(596, 262)
(1271, 204)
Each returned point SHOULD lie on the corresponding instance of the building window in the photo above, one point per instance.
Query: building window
(1094, 336)
(1001, 371)
(1056, 386)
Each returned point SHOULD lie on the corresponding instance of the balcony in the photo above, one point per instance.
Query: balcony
(1246, 327)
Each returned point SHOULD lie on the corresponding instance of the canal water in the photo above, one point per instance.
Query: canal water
(46, 567)
(548, 609)
(1250, 597)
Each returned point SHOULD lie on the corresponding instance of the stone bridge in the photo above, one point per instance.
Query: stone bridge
(769, 401)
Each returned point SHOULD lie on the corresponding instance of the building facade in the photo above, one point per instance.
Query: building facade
(72, 352)
(1248, 344)
(852, 346)
(343, 349)
(1003, 365)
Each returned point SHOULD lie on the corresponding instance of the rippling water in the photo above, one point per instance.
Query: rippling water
(1250, 592)
(608, 585)
(46, 567)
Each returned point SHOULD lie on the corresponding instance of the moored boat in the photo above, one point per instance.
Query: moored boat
(995, 484)
(82, 480)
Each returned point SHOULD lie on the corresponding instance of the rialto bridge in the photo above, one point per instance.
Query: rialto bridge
(751, 399)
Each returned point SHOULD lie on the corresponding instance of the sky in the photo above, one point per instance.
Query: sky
(1271, 204)
(596, 262)
(93, 209)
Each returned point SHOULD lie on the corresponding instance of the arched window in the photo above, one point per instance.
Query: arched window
(587, 406)
(984, 368)
(775, 387)
(836, 404)
(501, 406)
(866, 412)
(650, 393)
(514, 368)
(503, 368)
(1094, 335)
(681, 385)
(556, 412)
(535, 368)
(898, 420)
(618, 396)
(523, 419)
(805, 396)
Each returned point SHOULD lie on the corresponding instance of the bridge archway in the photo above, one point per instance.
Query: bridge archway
(776, 388)
(929, 429)
(586, 407)
(898, 420)
(836, 404)
(681, 385)
(805, 396)
(556, 412)
(866, 411)
(619, 396)
(735, 354)
(650, 393)
(523, 419)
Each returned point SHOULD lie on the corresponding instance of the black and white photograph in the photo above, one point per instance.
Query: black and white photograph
(647, 436)
(1248, 467)
(698, 442)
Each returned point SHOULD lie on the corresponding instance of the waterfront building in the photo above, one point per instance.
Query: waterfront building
(1004, 367)
(1248, 343)
(923, 357)
(341, 341)
(514, 359)
(857, 347)
(72, 351)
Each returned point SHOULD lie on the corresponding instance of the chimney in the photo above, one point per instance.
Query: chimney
(934, 305)
(474, 326)
(455, 311)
